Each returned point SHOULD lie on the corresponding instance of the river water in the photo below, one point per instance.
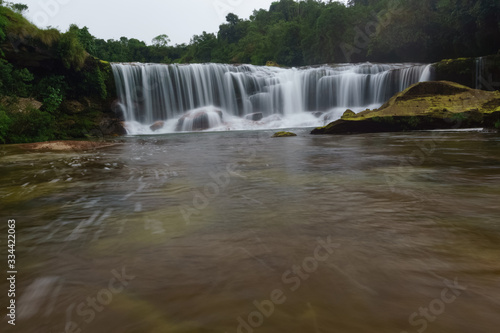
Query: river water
(238, 232)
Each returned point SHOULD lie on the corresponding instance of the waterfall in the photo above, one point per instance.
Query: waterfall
(177, 94)
(479, 72)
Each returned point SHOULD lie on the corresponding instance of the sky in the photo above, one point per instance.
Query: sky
(140, 19)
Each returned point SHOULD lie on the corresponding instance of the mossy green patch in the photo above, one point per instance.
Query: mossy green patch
(283, 134)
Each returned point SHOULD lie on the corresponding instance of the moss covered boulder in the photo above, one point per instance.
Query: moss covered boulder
(283, 134)
(423, 106)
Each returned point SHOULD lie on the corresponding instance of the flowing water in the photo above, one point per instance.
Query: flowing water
(238, 232)
(295, 97)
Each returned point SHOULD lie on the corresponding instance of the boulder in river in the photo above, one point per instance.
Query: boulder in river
(257, 116)
(157, 126)
(199, 120)
(283, 134)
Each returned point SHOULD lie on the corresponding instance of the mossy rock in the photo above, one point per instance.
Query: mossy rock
(272, 64)
(348, 114)
(283, 134)
(424, 106)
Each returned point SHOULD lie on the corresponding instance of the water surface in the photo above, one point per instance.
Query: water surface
(201, 232)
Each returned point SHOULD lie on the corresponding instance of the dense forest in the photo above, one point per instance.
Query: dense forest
(43, 73)
(63, 82)
(297, 33)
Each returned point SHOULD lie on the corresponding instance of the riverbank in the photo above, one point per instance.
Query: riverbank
(66, 145)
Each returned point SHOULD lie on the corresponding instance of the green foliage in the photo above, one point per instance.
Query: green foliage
(414, 122)
(3, 24)
(308, 32)
(458, 117)
(14, 81)
(29, 126)
(85, 38)
(44, 88)
(71, 51)
(93, 83)
(5, 122)
(19, 7)
(161, 41)
(497, 124)
(53, 100)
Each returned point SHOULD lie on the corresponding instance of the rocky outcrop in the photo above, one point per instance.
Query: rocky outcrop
(423, 106)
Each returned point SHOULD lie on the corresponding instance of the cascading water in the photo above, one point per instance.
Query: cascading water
(479, 72)
(226, 97)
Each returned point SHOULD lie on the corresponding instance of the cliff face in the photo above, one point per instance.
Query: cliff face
(423, 106)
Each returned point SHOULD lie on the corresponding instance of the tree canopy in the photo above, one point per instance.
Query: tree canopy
(308, 32)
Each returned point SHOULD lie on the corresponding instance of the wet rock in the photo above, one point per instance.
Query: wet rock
(424, 106)
(118, 109)
(317, 114)
(348, 113)
(283, 134)
(110, 126)
(199, 120)
(257, 116)
(157, 126)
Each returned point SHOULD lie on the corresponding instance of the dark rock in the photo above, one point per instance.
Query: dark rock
(257, 116)
(72, 107)
(199, 120)
(118, 109)
(110, 126)
(317, 114)
(157, 126)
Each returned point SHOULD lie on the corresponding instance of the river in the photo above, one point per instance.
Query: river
(239, 232)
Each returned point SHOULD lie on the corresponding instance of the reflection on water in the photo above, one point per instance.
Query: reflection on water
(238, 232)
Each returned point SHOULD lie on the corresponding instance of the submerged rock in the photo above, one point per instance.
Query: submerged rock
(317, 114)
(424, 106)
(283, 134)
(157, 126)
(199, 120)
(257, 116)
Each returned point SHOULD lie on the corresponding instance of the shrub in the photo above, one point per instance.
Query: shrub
(14, 81)
(30, 126)
(71, 51)
(4, 125)
(53, 100)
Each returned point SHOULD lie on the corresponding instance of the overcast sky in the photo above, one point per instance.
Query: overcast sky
(141, 19)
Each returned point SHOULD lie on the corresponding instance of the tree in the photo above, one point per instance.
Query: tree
(19, 7)
(161, 41)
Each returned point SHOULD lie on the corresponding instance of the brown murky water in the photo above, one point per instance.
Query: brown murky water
(238, 232)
